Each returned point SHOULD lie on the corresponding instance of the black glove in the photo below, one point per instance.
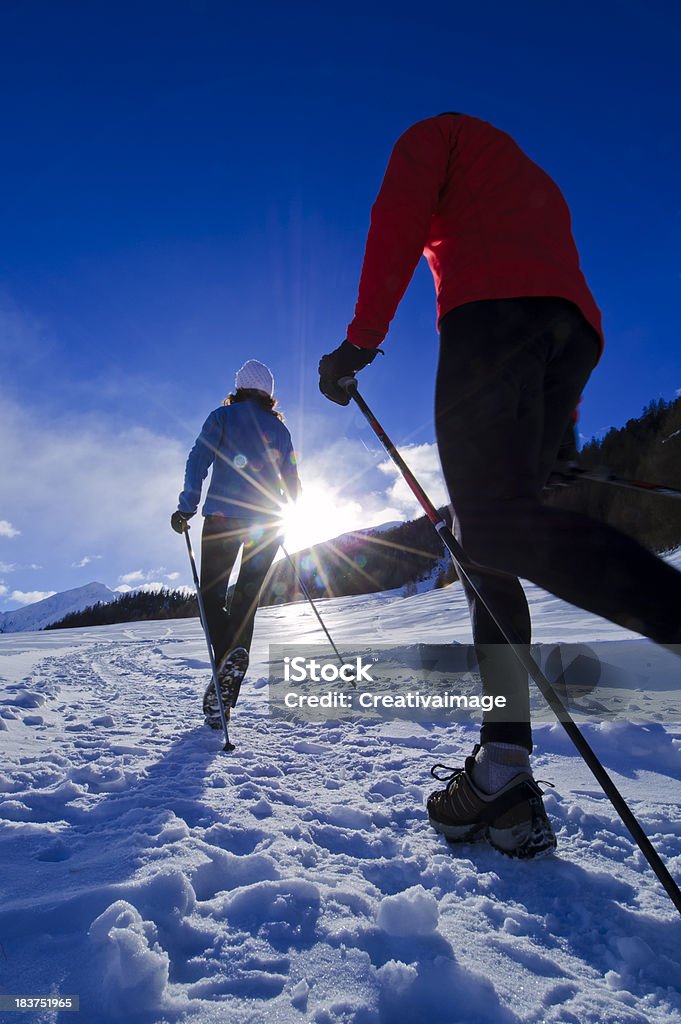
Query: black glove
(178, 520)
(344, 361)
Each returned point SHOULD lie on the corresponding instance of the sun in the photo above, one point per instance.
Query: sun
(318, 515)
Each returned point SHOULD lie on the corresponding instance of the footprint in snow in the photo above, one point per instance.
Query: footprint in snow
(105, 721)
(262, 809)
(386, 788)
(345, 817)
(55, 853)
(33, 720)
(25, 699)
(308, 747)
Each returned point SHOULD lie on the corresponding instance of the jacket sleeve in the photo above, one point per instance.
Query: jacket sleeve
(400, 224)
(289, 472)
(199, 461)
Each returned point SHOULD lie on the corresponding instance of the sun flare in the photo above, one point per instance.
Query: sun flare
(318, 515)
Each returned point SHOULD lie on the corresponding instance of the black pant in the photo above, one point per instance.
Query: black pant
(220, 543)
(510, 375)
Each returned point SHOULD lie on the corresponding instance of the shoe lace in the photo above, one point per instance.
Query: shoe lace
(444, 772)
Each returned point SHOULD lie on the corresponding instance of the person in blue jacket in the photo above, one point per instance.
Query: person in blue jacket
(254, 474)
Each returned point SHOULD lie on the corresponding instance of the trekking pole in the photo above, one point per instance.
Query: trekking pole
(575, 475)
(307, 594)
(465, 568)
(213, 667)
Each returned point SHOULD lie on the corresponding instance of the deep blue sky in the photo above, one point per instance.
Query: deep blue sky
(186, 185)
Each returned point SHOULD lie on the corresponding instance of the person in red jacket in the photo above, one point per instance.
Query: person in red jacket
(520, 334)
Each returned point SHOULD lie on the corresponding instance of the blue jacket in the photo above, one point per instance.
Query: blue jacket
(254, 465)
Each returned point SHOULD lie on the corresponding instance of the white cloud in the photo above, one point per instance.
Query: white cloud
(3, 589)
(85, 560)
(107, 490)
(424, 462)
(132, 577)
(140, 576)
(31, 596)
(7, 567)
(148, 580)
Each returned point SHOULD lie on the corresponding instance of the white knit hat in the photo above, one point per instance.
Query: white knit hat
(255, 376)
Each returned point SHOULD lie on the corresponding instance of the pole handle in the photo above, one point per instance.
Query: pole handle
(349, 384)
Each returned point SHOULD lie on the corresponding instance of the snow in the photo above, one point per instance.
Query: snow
(412, 912)
(297, 879)
(52, 609)
(383, 528)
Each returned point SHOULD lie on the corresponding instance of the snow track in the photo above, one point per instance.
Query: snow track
(297, 879)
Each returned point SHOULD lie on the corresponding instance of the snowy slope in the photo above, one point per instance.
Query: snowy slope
(52, 609)
(297, 879)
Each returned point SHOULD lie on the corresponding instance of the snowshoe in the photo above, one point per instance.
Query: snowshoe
(231, 672)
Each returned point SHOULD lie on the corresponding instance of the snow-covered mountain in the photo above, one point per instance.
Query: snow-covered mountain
(393, 524)
(52, 609)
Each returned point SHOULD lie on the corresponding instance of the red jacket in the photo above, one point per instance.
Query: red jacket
(490, 222)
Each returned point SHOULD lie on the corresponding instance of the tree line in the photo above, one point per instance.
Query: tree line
(646, 448)
(134, 607)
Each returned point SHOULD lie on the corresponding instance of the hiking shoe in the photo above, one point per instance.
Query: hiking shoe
(513, 819)
(231, 671)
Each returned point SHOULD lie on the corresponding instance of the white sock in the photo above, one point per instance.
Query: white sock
(497, 763)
